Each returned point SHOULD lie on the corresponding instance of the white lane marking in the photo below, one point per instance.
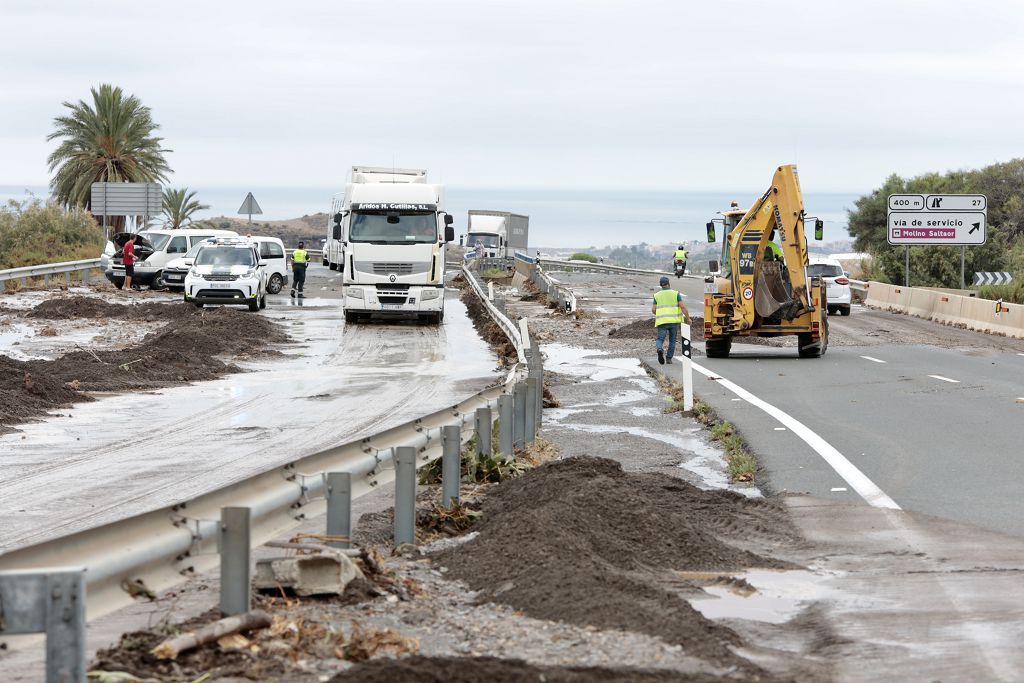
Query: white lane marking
(873, 360)
(737, 399)
(780, 429)
(1020, 354)
(945, 379)
(838, 489)
(867, 489)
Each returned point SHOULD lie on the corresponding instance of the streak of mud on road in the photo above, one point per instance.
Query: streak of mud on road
(185, 350)
(584, 542)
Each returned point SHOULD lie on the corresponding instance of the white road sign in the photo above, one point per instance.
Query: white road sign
(952, 228)
(938, 219)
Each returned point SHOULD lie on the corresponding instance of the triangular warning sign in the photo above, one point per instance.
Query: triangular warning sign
(249, 206)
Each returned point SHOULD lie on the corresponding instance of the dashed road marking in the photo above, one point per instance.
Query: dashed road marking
(873, 360)
(737, 399)
(838, 489)
(945, 379)
(780, 429)
(866, 488)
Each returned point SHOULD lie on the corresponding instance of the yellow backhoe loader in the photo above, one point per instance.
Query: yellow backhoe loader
(761, 288)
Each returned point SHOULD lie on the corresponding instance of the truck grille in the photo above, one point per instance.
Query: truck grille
(388, 268)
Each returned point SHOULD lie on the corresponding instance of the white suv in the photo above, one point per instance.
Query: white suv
(831, 271)
(228, 271)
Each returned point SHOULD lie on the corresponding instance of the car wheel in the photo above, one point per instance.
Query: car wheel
(832, 310)
(263, 301)
(119, 284)
(275, 284)
(197, 304)
(156, 283)
(254, 305)
(844, 310)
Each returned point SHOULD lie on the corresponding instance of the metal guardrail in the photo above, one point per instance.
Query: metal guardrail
(512, 331)
(164, 547)
(47, 269)
(584, 266)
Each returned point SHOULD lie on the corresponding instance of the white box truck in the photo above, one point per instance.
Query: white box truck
(502, 233)
(392, 229)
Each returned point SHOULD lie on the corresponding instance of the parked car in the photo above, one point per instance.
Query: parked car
(838, 295)
(275, 261)
(228, 271)
(154, 249)
(173, 275)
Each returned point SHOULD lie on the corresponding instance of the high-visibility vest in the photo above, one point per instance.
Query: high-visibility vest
(776, 249)
(300, 256)
(666, 310)
(681, 254)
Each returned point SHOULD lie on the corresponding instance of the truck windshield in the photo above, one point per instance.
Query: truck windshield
(397, 228)
(225, 256)
(489, 241)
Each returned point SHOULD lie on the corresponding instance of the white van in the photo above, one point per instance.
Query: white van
(275, 262)
(154, 249)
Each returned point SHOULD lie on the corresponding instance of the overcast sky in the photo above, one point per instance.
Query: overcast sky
(529, 94)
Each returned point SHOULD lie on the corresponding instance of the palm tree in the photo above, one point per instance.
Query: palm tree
(179, 205)
(111, 140)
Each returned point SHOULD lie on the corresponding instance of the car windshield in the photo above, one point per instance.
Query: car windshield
(225, 256)
(191, 253)
(158, 240)
(489, 241)
(824, 270)
(381, 227)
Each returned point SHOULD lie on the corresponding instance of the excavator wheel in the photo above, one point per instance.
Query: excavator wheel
(813, 349)
(718, 347)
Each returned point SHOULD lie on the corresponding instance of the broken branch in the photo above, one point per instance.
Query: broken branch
(172, 647)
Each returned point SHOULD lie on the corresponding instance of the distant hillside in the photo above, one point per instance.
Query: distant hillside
(310, 228)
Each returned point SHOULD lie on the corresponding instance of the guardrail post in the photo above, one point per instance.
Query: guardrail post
(67, 278)
(530, 413)
(85, 276)
(483, 424)
(499, 303)
(405, 495)
(451, 464)
(519, 415)
(506, 411)
(24, 282)
(46, 280)
(235, 576)
(339, 508)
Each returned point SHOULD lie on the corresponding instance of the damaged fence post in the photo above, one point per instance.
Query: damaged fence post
(50, 601)
(451, 464)
(505, 420)
(339, 508)
(235, 575)
(405, 495)
(530, 412)
(483, 432)
(519, 415)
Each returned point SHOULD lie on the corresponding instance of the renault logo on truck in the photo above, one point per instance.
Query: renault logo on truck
(392, 277)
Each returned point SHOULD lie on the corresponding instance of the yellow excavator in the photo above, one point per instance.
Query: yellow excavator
(761, 288)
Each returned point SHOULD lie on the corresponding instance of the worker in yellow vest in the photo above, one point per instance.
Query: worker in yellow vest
(300, 261)
(669, 312)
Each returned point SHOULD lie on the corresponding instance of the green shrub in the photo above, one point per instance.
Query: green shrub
(33, 233)
(1012, 293)
(583, 256)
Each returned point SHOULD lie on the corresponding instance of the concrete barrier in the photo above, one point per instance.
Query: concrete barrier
(921, 303)
(950, 309)
(878, 294)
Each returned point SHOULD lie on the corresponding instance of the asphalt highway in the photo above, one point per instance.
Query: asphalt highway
(931, 416)
(340, 384)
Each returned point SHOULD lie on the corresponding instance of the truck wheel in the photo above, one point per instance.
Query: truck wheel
(332, 266)
(324, 262)
(350, 317)
(718, 347)
(813, 349)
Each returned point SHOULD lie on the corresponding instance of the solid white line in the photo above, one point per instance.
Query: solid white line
(945, 379)
(874, 360)
(843, 467)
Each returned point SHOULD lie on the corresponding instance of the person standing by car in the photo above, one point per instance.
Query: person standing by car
(128, 259)
(300, 260)
(669, 312)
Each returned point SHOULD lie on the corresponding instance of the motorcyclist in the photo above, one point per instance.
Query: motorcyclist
(679, 259)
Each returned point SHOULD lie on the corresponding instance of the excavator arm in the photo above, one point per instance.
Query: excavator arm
(759, 286)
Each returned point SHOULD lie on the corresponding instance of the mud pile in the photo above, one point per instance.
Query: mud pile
(486, 327)
(644, 329)
(188, 348)
(493, 670)
(583, 542)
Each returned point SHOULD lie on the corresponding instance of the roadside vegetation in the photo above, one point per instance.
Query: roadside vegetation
(1012, 293)
(583, 256)
(34, 232)
(179, 206)
(930, 266)
(739, 461)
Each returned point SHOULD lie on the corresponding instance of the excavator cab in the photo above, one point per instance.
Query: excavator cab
(761, 287)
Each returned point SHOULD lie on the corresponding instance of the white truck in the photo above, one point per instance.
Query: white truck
(392, 229)
(502, 233)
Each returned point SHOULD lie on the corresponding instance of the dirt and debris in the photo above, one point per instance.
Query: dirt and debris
(487, 328)
(418, 669)
(188, 348)
(582, 541)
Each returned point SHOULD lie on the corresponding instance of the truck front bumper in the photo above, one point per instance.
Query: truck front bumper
(392, 300)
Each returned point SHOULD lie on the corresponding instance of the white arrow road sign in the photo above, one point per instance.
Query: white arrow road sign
(952, 228)
(996, 278)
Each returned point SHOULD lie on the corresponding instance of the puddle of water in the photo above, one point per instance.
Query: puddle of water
(778, 598)
(637, 411)
(588, 363)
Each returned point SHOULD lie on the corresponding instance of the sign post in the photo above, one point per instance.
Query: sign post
(937, 220)
(249, 206)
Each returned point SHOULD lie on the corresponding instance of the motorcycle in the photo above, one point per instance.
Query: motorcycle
(680, 267)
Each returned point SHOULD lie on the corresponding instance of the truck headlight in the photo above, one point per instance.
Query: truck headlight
(354, 292)
(428, 294)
